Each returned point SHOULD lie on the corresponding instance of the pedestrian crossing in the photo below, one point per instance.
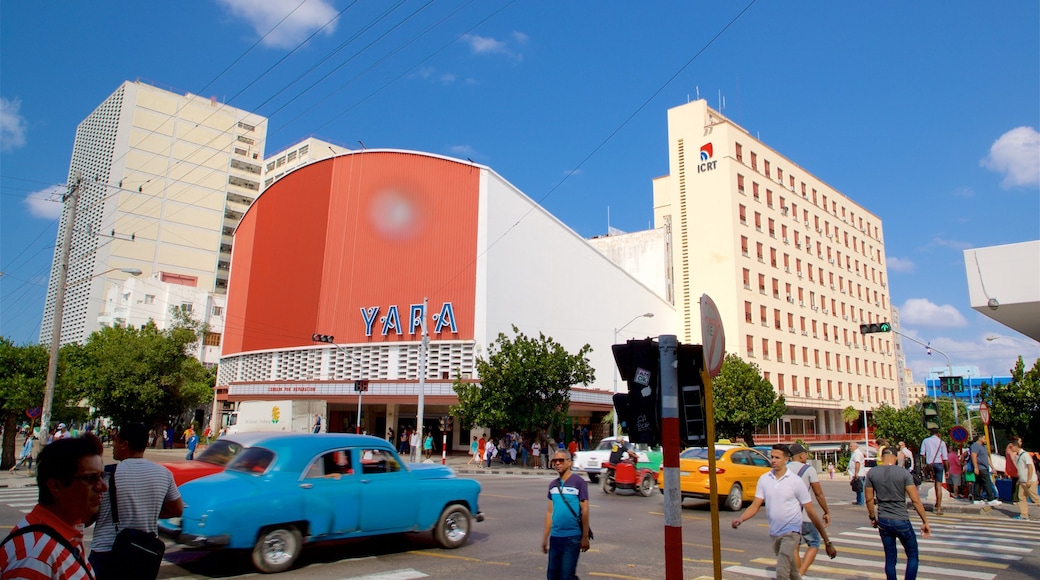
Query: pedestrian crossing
(20, 498)
(963, 548)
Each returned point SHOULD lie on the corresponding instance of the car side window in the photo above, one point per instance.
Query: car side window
(759, 460)
(741, 457)
(331, 465)
(378, 461)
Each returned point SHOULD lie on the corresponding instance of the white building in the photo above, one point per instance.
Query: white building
(1004, 284)
(165, 180)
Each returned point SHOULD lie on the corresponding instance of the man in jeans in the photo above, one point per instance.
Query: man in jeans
(890, 485)
(785, 495)
(936, 455)
(983, 480)
(566, 532)
(857, 469)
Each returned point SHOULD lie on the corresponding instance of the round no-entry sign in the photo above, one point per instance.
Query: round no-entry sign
(713, 339)
(959, 434)
(984, 412)
(33, 412)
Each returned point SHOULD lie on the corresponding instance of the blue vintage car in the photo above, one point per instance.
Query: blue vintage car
(290, 489)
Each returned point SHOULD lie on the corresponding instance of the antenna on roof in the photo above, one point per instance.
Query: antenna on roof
(697, 88)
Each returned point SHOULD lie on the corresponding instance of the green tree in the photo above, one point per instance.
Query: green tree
(143, 374)
(744, 402)
(524, 384)
(900, 425)
(23, 376)
(1015, 406)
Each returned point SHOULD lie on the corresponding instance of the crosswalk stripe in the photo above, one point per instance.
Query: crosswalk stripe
(817, 569)
(943, 534)
(404, 574)
(1020, 529)
(930, 558)
(845, 540)
(959, 572)
(946, 543)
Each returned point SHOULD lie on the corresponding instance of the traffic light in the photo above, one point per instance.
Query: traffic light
(930, 415)
(361, 386)
(692, 423)
(638, 411)
(323, 338)
(875, 327)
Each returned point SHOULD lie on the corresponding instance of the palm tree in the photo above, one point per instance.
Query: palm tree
(849, 414)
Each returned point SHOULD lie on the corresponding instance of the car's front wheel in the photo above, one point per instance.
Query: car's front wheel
(452, 529)
(277, 548)
(735, 500)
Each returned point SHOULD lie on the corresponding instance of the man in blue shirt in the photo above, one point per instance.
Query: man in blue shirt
(566, 519)
(785, 495)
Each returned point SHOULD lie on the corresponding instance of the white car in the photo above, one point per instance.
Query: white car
(591, 462)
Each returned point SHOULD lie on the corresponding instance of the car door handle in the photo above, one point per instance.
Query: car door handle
(366, 481)
(306, 485)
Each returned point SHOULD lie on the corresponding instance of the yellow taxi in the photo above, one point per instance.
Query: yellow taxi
(737, 470)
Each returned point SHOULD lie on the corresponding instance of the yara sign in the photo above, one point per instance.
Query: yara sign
(391, 321)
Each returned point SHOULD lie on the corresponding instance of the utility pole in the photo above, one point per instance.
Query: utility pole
(423, 345)
(72, 197)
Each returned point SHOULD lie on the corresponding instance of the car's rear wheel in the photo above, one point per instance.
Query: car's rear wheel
(277, 548)
(647, 485)
(609, 485)
(735, 500)
(452, 529)
(594, 477)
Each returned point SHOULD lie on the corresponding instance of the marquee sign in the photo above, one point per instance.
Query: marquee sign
(390, 323)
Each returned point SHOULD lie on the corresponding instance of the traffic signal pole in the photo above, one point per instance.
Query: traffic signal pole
(949, 371)
(673, 558)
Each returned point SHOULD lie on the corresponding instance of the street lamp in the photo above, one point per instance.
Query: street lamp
(616, 331)
(59, 308)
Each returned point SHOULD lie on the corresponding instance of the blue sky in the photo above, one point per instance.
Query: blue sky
(926, 113)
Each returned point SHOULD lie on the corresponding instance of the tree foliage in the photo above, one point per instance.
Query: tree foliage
(897, 425)
(143, 374)
(1015, 406)
(744, 402)
(23, 377)
(524, 384)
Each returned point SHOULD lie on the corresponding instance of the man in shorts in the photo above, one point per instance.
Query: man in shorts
(935, 454)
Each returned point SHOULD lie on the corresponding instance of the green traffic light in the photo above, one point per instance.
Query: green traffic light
(885, 327)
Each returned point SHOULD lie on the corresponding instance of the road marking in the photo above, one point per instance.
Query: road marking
(959, 572)
(947, 543)
(453, 557)
(605, 575)
(405, 574)
(703, 561)
(709, 547)
(685, 517)
(949, 534)
(841, 538)
(927, 558)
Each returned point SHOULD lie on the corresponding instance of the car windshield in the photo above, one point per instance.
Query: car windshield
(605, 445)
(254, 460)
(220, 452)
(700, 453)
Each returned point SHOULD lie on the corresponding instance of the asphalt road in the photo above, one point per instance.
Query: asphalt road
(629, 543)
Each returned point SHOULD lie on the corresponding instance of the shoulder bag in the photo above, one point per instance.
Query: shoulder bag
(559, 485)
(136, 554)
(49, 531)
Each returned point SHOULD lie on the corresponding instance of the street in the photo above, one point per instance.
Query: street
(628, 544)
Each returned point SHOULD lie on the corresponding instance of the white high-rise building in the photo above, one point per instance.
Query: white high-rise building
(163, 181)
(793, 265)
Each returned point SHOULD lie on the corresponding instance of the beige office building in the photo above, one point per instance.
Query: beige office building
(165, 180)
(794, 266)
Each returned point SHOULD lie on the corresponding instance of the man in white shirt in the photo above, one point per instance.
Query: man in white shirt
(857, 470)
(1027, 479)
(935, 454)
(810, 535)
(785, 496)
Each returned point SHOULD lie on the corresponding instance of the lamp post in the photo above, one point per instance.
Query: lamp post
(616, 331)
(949, 371)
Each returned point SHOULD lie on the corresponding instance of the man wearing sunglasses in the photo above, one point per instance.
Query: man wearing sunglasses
(48, 542)
(566, 532)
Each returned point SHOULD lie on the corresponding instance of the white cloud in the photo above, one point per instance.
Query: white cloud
(301, 23)
(904, 266)
(12, 125)
(46, 203)
(460, 151)
(1016, 154)
(924, 312)
(487, 45)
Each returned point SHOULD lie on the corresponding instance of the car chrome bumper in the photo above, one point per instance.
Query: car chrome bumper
(202, 541)
(479, 516)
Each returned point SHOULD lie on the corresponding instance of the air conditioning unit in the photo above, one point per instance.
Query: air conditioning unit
(804, 333)
(832, 260)
(832, 286)
(785, 241)
(783, 210)
(799, 274)
(825, 311)
(791, 300)
(801, 303)
(816, 308)
(846, 317)
(788, 270)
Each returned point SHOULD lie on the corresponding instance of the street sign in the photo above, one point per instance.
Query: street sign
(713, 338)
(959, 434)
(33, 412)
(984, 412)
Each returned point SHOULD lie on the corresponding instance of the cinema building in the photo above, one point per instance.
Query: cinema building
(351, 247)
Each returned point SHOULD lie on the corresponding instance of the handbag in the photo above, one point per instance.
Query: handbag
(135, 553)
(857, 484)
(559, 486)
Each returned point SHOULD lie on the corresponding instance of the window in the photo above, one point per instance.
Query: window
(186, 307)
(747, 311)
(740, 183)
(247, 167)
(754, 161)
(253, 185)
(740, 153)
(211, 339)
(332, 465)
(743, 214)
(149, 299)
(218, 311)
(246, 126)
(378, 461)
(245, 140)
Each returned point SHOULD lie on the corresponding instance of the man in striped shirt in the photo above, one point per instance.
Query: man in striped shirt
(70, 477)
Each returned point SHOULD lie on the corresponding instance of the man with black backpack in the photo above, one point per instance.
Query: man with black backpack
(140, 492)
(567, 531)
